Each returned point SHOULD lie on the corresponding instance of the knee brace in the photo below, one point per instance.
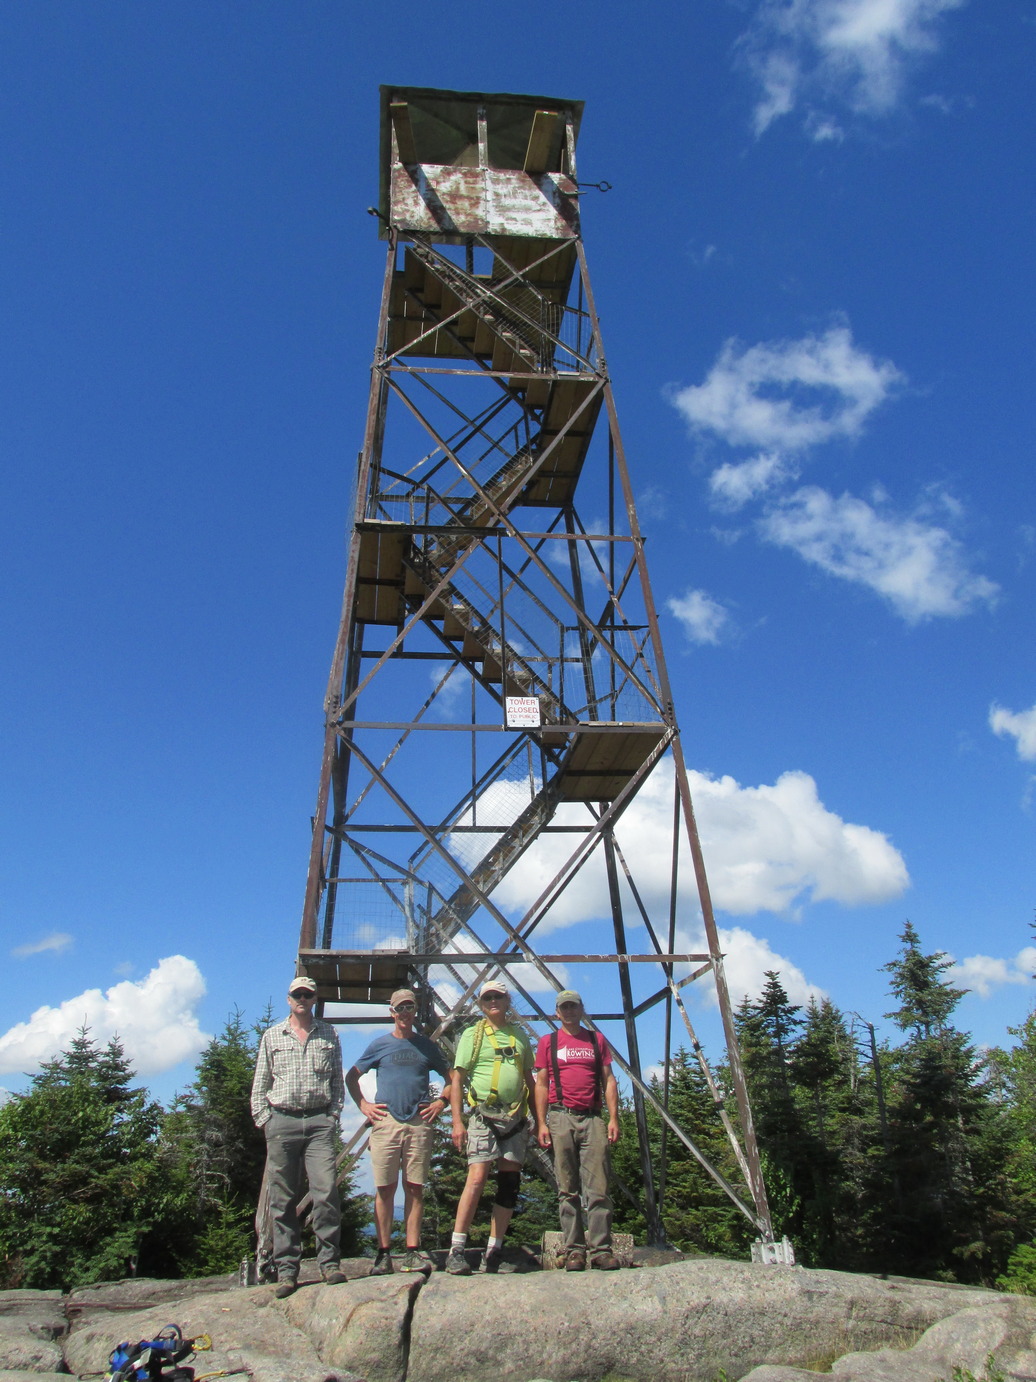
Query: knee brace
(507, 1183)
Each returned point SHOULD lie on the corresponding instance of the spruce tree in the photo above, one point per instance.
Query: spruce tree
(926, 999)
(209, 1138)
(1013, 1075)
(85, 1193)
(955, 1217)
(215, 1156)
(768, 1033)
(628, 1173)
(697, 1214)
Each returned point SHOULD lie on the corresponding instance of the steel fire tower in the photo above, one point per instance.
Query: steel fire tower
(498, 695)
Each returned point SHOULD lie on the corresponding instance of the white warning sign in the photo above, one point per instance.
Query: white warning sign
(523, 712)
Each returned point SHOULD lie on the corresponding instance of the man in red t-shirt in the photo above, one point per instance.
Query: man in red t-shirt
(573, 1078)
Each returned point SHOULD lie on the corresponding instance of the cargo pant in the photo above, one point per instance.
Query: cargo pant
(297, 1143)
(582, 1164)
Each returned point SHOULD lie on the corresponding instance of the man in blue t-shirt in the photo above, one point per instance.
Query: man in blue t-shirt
(401, 1119)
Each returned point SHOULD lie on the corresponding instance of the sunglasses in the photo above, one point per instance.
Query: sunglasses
(302, 996)
(405, 1008)
(495, 998)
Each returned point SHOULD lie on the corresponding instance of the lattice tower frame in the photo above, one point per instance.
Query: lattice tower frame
(498, 697)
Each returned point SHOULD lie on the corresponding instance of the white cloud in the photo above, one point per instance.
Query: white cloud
(823, 130)
(533, 981)
(154, 1018)
(780, 75)
(748, 958)
(766, 848)
(654, 503)
(703, 618)
(57, 941)
(983, 973)
(788, 395)
(919, 567)
(936, 102)
(851, 53)
(448, 697)
(735, 483)
(1020, 725)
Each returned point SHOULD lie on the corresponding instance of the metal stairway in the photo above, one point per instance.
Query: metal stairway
(522, 318)
(494, 865)
(479, 640)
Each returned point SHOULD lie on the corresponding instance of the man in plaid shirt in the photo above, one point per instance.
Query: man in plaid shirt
(297, 1097)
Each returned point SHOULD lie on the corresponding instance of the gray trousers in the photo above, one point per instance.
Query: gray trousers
(581, 1164)
(297, 1143)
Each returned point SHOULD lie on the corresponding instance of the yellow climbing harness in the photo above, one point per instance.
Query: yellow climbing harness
(502, 1051)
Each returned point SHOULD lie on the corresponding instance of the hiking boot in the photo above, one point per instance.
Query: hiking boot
(493, 1258)
(382, 1263)
(605, 1262)
(575, 1260)
(286, 1286)
(457, 1264)
(414, 1260)
(333, 1276)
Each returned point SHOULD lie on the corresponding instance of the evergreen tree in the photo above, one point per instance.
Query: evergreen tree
(768, 1033)
(824, 1072)
(926, 999)
(628, 1173)
(209, 1138)
(821, 1069)
(697, 1213)
(216, 1156)
(84, 1190)
(956, 1216)
(1013, 1085)
(1013, 1078)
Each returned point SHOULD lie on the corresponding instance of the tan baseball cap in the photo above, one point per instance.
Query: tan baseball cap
(403, 996)
(493, 986)
(568, 996)
(303, 981)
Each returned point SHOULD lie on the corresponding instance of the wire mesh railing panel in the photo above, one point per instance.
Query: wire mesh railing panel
(373, 914)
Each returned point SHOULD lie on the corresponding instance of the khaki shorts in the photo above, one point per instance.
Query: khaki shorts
(406, 1145)
(484, 1145)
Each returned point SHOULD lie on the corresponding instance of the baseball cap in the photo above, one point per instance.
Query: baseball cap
(493, 986)
(302, 981)
(568, 996)
(403, 996)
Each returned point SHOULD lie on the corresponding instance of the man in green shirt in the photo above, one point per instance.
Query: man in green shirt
(493, 1073)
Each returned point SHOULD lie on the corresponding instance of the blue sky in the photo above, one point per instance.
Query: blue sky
(816, 283)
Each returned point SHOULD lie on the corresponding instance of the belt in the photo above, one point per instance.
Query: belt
(301, 1112)
(569, 1108)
